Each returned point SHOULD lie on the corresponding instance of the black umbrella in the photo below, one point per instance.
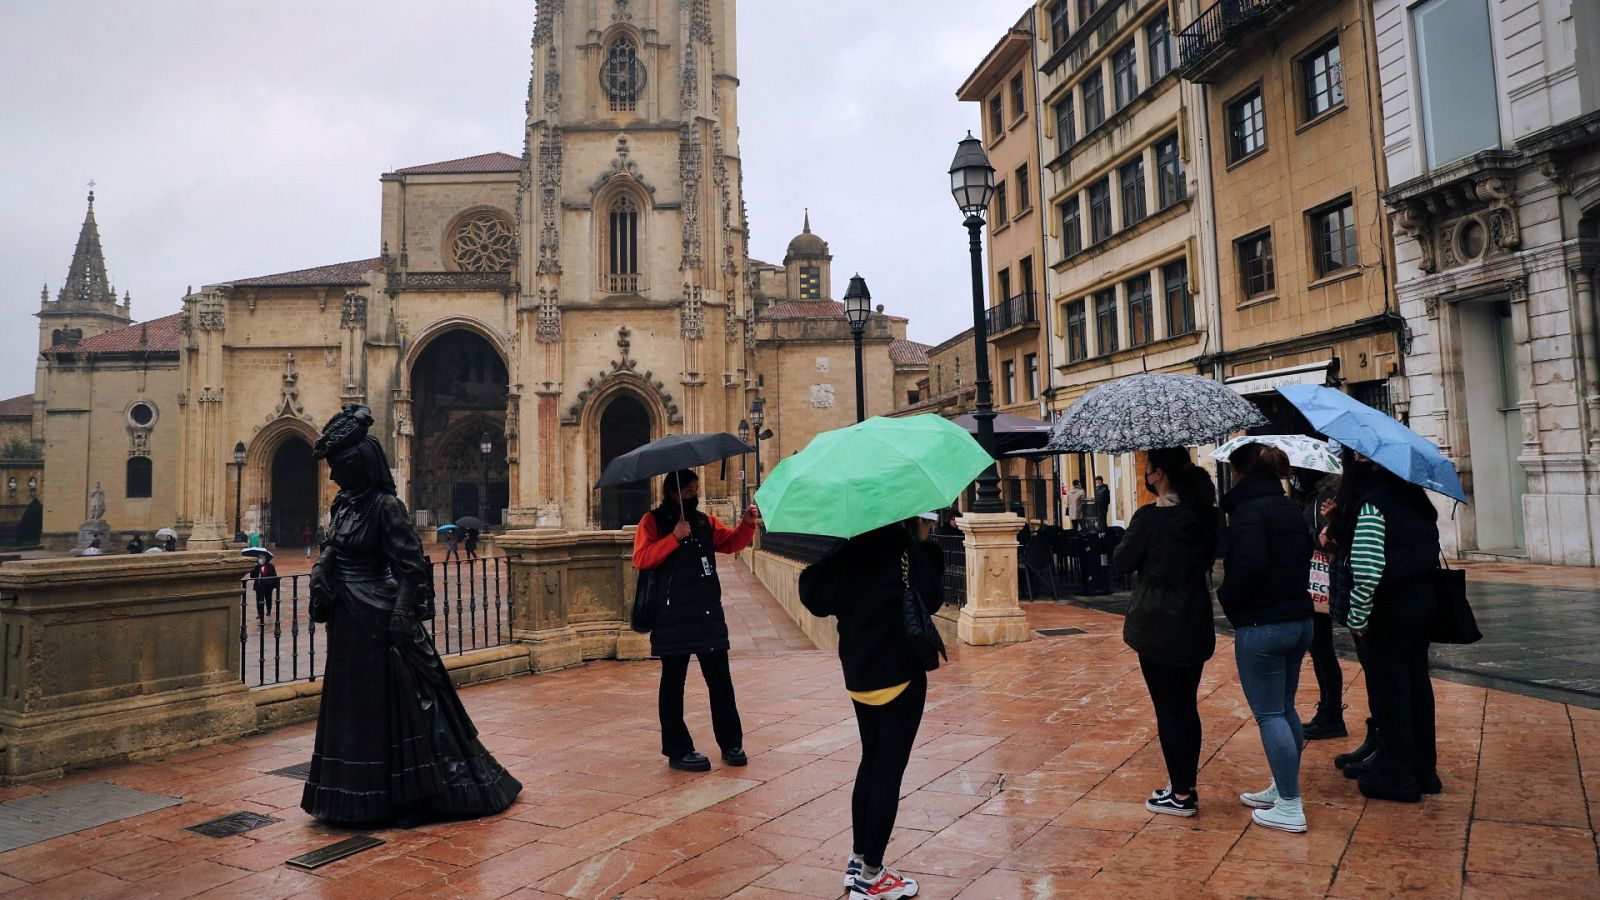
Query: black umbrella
(1011, 433)
(669, 454)
(471, 523)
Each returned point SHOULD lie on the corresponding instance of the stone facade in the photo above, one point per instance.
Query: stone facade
(1496, 246)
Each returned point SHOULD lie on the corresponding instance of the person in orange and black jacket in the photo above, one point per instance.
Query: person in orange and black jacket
(679, 543)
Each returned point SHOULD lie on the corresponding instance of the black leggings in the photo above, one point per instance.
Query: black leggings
(675, 738)
(887, 733)
(1325, 663)
(1175, 692)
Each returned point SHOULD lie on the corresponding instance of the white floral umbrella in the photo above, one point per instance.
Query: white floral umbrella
(1144, 412)
(1303, 452)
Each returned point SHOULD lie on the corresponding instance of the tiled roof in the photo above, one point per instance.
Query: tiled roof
(16, 407)
(155, 336)
(806, 309)
(345, 273)
(468, 165)
(909, 353)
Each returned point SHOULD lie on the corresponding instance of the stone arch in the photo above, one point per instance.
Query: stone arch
(256, 494)
(439, 328)
(622, 202)
(591, 423)
(463, 387)
(623, 418)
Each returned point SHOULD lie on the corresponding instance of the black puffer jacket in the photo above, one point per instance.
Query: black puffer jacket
(859, 583)
(1171, 548)
(1269, 555)
(689, 617)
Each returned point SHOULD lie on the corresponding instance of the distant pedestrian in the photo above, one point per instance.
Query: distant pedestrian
(93, 549)
(863, 583)
(254, 537)
(171, 545)
(1387, 532)
(308, 538)
(1264, 595)
(137, 544)
(452, 544)
(472, 544)
(1077, 501)
(679, 544)
(1171, 544)
(1312, 489)
(264, 578)
(1102, 501)
(947, 523)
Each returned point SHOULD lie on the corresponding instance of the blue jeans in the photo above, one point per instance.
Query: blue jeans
(1269, 658)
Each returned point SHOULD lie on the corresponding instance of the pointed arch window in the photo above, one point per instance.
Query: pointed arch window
(622, 245)
(622, 74)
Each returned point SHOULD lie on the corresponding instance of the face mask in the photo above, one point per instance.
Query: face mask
(690, 504)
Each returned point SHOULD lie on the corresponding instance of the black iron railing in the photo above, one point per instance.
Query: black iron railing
(1014, 311)
(278, 642)
(955, 567)
(1223, 23)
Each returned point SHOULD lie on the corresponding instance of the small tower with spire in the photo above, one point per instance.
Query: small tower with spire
(809, 265)
(86, 304)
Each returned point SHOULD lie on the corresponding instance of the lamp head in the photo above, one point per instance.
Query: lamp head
(758, 414)
(971, 177)
(744, 431)
(238, 453)
(486, 444)
(857, 303)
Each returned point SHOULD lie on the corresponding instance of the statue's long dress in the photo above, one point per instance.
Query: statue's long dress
(392, 736)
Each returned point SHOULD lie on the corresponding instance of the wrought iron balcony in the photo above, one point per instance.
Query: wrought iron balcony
(452, 281)
(1012, 312)
(1211, 38)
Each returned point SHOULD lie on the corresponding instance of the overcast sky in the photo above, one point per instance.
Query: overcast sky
(230, 138)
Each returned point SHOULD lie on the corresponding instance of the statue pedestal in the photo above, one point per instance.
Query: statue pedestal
(91, 529)
(992, 614)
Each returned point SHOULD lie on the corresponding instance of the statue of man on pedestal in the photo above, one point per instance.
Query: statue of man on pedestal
(97, 503)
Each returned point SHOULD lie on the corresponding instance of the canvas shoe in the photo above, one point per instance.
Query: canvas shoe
(1169, 805)
(1284, 815)
(1261, 799)
(851, 870)
(889, 885)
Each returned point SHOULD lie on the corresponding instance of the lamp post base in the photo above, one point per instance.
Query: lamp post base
(992, 614)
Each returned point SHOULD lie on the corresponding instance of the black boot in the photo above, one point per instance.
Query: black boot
(1369, 746)
(1327, 723)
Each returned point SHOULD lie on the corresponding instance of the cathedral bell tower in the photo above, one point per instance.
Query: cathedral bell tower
(87, 304)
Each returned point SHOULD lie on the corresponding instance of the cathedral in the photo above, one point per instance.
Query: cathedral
(524, 320)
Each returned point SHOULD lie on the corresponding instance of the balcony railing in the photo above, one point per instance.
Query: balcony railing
(622, 284)
(1223, 25)
(1014, 311)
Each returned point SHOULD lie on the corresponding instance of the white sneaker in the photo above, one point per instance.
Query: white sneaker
(851, 870)
(1285, 815)
(1261, 799)
(889, 885)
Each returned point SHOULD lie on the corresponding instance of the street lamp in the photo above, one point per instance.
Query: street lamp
(857, 307)
(972, 184)
(486, 447)
(758, 415)
(238, 490)
(744, 475)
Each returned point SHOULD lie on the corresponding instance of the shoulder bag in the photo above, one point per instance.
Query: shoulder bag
(1453, 621)
(921, 635)
(644, 606)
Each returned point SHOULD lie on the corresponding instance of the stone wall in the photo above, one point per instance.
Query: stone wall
(572, 593)
(781, 577)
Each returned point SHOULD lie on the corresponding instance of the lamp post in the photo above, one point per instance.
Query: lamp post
(744, 474)
(758, 415)
(238, 489)
(485, 447)
(972, 184)
(857, 307)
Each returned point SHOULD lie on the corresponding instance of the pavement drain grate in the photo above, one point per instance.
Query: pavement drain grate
(1058, 632)
(29, 820)
(301, 771)
(232, 824)
(334, 852)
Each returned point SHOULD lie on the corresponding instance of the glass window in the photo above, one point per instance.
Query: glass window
(1125, 74)
(1247, 126)
(1019, 98)
(1031, 364)
(1077, 332)
(623, 261)
(997, 118)
(1008, 376)
(1071, 227)
(1024, 192)
(1322, 79)
(622, 77)
(1158, 37)
(810, 282)
(1141, 327)
(1066, 128)
(1131, 177)
(1094, 101)
(139, 477)
(1255, 263)
(1099, 210)
(1105, 321)
(1455, 69)
(1059, 27)
(1025, 275)
(1170, 186)
(1005, 284)
(1180, 304)
(1086, 9)
(1002, 211)
(1333, 233)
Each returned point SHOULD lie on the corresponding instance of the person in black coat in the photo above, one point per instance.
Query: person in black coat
(1312, 490)
(862, 583)
(1171, 545)
(678, 543)
(1265, 596)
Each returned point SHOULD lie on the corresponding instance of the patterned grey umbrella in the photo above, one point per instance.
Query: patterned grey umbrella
(1143, 412)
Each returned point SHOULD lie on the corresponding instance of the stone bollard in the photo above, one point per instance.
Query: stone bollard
(116, 657)
(992, 614)
(572, 593)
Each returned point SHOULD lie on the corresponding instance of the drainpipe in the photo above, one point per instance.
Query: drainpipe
(1208, 233)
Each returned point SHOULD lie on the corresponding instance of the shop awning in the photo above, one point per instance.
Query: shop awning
(1266, 382)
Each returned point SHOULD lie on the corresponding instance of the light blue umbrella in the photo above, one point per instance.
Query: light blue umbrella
(1377, 436)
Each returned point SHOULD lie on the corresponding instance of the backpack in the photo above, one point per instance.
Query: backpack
(921, 635)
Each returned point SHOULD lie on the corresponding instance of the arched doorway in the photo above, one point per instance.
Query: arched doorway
(294, 492)
(624, 425)
(458, 389)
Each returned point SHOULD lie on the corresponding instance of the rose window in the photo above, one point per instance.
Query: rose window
(483, 242)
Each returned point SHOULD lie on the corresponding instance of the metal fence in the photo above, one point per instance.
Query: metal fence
(955, 567)
(1221, 23)
(278, 642)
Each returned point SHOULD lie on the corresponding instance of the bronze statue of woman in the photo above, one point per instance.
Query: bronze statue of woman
(394, 743)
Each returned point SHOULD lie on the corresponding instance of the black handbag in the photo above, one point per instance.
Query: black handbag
(643, 617)
(1453, 621)
(921, 635)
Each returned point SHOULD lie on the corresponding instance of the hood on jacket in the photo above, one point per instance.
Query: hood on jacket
(1254, 486)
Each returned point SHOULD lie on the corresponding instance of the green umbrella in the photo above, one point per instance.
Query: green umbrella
(849, 481)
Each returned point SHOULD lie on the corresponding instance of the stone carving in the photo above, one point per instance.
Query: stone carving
(621, 13)
(97, 503)
(139, 443)
(544, 20)
(548, 329)
(822, 396)
(625, 367)
(552, 80)
(289, 401)
(402, 425)
(354, 314)
(622, 165)
(330, 357)
(822, 364)
(750, 328)
(209, 394)
(730, 316)
(689, 90)
(209, 313)
(693, 317)
(1430, 306)
(1470, 218)
(699, 20)
(1517, 289)
(719, 177)
(550, 201)
(689, 170)
(483, 242)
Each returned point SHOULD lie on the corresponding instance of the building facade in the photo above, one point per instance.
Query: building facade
(1292, 132)
(1491, 115)
(1117, 143)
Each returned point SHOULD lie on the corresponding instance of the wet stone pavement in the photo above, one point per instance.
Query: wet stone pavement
(1028, 780)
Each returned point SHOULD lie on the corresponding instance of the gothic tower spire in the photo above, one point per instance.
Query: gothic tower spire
(87, 284)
